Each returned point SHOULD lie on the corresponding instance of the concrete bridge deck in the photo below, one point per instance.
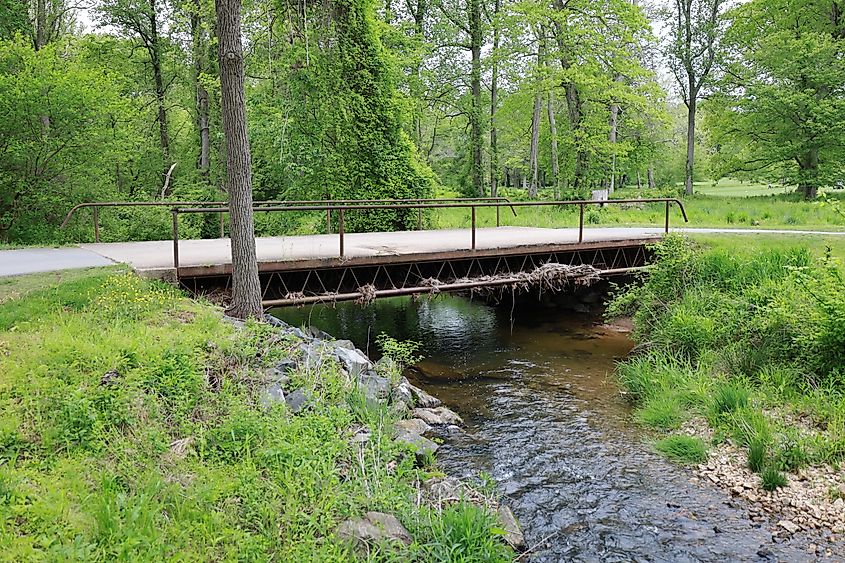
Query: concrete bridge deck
(211, 257)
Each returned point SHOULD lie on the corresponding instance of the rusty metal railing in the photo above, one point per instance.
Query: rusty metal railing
(342, 209)
(220, 207)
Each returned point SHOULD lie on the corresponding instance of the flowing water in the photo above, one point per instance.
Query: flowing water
(545, 419)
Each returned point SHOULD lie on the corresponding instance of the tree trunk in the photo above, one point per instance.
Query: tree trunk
(246, 289)
(476, 141)
(553, 134)
(199, 47)
(154, 48)
(494, 102)
(611, 137)
(691, 107)
(651, 184)
(809, 171)
(535, 142)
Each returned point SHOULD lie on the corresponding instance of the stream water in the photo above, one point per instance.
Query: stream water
(546, 421)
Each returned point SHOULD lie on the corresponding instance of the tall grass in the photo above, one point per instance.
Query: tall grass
(724, 334)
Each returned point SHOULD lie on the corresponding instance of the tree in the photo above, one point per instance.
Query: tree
(246, 289)
(13, 18)
(694, 31)
(43, 173)
(779, 112)
(143, 19)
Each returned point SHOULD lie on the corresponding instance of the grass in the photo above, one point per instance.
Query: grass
(757, 455)
(709, 209)
(131, 428)
(773, 479)
(687, 450)
(749, 338)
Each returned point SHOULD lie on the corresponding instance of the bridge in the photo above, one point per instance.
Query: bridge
(341, 265)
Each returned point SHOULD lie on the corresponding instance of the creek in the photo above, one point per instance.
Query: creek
(548, 423)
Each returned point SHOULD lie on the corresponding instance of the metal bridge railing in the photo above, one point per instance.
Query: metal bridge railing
(472, 204)
(221, 208)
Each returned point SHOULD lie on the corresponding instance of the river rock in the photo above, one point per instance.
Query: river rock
(402, 395)
(354, 361)
(789, 526)
(439, 416)
(513, 533)
(298, 400)
(271, 395)
(374, 527)
(315, 332)
(412, 425)
(348, 344)
(423, 399)
(275, 322)
(312, 354)
(422, 445)
(375, 387)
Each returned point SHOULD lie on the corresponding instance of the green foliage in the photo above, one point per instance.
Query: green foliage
(777, 347)
(773, 479)
(138, 434)
(757, 455)
(778, 112)
(402, 352)
(687, 450)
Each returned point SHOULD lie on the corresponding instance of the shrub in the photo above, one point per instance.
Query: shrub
(683, 449)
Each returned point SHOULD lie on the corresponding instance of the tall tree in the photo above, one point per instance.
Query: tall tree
(143, 20)
(246, 289)
(494, 99)
(779, 113)
(694, 31)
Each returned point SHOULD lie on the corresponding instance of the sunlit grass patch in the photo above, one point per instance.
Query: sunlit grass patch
(687, 450)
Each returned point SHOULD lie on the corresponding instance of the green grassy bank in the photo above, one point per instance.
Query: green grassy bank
(749, 340)
(773, 211)
(131, 428)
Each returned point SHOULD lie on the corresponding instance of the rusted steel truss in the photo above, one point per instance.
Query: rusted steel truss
(364, 282)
